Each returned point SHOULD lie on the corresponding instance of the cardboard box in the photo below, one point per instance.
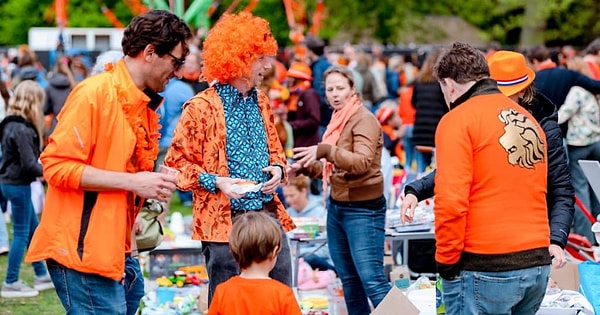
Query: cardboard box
(395, 302)
(567, 277)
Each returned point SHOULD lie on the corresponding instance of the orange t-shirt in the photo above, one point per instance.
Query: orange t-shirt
(253, 297)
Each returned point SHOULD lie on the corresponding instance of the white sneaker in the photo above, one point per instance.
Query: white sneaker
(43, 283)
(17, 290)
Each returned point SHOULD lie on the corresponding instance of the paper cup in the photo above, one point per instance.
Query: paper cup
(596, 230)
(167, 170)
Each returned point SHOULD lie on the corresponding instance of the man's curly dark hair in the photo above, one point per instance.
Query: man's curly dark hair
(160, 28)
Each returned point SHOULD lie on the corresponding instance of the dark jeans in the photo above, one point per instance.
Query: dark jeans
(84, 293)
(134, 284)
(356, 238)
(221, 265)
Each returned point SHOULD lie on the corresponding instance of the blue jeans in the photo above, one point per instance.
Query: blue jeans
(507, 292)
(85, 293)
(221, 265)
(134, 284)
(409, 149)
(3, 230)
(423, 160)
(582, 188)
(355, 237)
(25, 222)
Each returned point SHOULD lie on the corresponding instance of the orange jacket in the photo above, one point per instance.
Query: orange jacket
(253, 296)
(490, 187)
(199, 146)
(89, 231)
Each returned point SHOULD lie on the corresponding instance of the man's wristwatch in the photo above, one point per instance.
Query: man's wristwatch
(282, 168)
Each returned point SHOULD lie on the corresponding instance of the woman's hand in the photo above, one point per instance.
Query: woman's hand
(304, 156)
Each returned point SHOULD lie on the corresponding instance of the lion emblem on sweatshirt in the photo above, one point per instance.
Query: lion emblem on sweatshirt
(521, 139)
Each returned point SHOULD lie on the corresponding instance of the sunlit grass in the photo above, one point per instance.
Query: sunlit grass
(47, 303)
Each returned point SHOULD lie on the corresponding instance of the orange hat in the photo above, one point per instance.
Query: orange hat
(299, 70)
(510, 70)
(383, 114)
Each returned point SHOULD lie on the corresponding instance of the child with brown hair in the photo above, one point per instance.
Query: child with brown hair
(255, 241)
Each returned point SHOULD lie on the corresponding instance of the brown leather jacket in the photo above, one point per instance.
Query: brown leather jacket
(357, 158)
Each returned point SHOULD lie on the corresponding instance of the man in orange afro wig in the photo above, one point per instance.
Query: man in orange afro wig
(233, 44)
(226, 146)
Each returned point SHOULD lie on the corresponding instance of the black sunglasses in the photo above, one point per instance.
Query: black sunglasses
(177, 63)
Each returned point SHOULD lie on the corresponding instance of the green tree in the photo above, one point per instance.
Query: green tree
(19, 15)
(510, 22)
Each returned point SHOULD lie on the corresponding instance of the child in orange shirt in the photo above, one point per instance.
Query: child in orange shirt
(392, 127)
(255, 241)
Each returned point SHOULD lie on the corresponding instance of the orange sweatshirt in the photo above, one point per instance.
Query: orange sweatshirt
(490, 186)
(253, 297)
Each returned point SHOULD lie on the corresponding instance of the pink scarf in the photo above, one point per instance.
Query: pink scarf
(334, 129)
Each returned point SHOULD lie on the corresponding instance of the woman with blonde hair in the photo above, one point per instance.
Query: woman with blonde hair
(21, 140)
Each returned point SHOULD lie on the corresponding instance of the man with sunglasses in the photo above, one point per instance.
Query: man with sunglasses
(226, 136)
(98, 165)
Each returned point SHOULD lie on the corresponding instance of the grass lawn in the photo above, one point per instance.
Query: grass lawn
(47, 302)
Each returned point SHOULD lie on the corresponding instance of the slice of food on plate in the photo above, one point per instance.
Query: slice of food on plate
(245, 186)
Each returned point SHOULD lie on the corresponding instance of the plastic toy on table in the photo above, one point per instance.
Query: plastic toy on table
(180, 278)
(184, 301)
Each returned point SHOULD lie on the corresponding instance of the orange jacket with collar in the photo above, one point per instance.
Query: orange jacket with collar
(85, 230)
(199, 146)
(490, 183)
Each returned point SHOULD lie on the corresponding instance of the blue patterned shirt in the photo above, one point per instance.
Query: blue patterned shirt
(247, 149)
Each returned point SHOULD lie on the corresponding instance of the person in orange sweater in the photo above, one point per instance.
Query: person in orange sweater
(491, 217)
(98, 164)
(255, 240)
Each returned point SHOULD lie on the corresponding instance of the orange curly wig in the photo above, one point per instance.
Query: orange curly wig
(233, 44)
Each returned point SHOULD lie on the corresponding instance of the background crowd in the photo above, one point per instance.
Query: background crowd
(318, 95)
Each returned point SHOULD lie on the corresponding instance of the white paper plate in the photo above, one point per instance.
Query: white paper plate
(243, 189)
